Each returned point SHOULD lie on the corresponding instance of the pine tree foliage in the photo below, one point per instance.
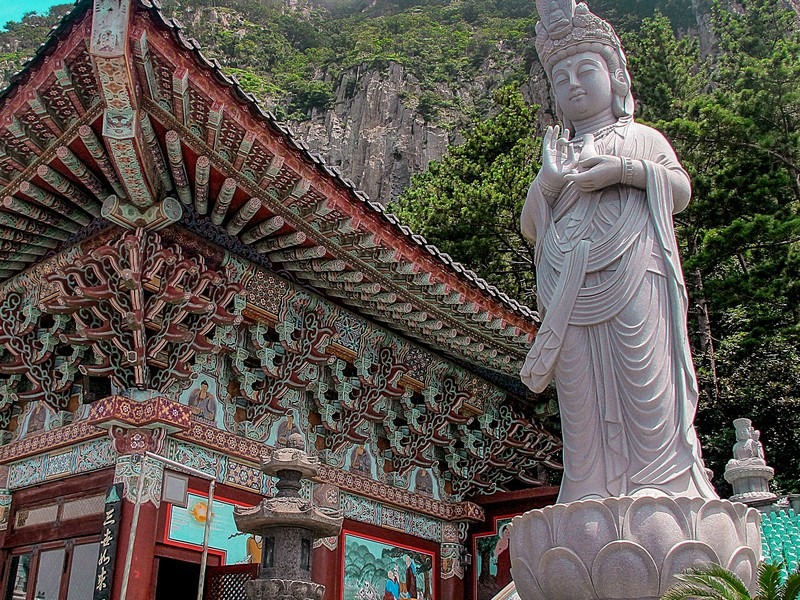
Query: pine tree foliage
(735, 122)
(469, 203)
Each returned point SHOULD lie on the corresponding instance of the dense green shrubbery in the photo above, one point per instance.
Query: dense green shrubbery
(287, 52)
(288, 57)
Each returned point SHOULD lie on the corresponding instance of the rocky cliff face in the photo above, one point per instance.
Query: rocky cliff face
(374, 133)
(379, 131)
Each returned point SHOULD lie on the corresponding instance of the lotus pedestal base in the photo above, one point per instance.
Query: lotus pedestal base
(628, 548)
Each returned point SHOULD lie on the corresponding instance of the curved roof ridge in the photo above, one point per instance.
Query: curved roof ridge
(153, 8)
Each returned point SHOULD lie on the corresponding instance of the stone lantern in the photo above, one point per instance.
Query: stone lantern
(288, 525)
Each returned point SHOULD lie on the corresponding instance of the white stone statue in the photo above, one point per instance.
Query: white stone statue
(748, 446)
(635, 507)
(758, 447)
(747, 471)
(610, 286)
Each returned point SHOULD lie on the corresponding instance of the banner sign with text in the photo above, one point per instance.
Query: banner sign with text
(104, 576)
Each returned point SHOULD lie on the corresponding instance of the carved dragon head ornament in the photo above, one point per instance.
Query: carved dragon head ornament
(567, 28)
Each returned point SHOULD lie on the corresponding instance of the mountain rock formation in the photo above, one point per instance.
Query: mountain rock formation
(378, 89)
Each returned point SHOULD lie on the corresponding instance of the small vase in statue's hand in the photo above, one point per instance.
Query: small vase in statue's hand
(588, 150)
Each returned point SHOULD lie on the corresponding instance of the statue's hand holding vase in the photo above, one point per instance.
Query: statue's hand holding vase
(597, 172)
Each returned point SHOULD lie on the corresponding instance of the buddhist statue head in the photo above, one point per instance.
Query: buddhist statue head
(580, 51)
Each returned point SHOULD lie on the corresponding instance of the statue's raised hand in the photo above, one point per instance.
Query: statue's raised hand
(558, 159)
(596, 173)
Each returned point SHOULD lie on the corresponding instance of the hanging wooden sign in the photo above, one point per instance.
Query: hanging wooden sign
(104, 576)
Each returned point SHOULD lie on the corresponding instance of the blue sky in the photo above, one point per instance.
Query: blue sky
(12, 10)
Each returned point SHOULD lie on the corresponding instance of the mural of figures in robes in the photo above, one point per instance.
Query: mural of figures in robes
(379, 569)
(203, 399)
(38, 414)
(202, 402)
(492, 570)
(361, 461)
(423, 482)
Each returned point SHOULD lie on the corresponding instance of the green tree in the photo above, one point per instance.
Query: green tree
(19, 39)
(734, 122)
(712, 582)
(740, 141)
(666, 68)
(628, 14)
(469, 203)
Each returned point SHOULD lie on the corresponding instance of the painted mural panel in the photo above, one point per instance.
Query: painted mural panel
(492, 561)
(288, 424)
(361, 461)
(203, 398)
(376, 570)
(34, 418)
(185, 527)
(425, 483)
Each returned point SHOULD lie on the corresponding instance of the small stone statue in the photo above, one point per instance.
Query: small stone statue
(611, 290)
(747, 471)
(758, 447)
(747, 446)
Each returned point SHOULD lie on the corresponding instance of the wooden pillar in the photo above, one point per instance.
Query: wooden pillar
(326, 566)
(451, 576)
(129, 470)
(5, 512)
(452, 588)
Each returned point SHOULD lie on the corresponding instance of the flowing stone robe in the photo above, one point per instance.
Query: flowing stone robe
(614, 332)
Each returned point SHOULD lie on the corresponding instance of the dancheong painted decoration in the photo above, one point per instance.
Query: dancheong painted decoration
(180, 275)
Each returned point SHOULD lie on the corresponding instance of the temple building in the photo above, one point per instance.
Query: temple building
(184, 284)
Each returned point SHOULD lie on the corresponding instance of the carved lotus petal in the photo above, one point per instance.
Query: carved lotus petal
(681, 557)
(752, 528)
(657, 524)
(618, 508)
(522, 571)
(624, 569)
(564, 576)
(532, 536)
(628, 548)
(586, 526)
(744, 563)
(720, 527)
(690, 507)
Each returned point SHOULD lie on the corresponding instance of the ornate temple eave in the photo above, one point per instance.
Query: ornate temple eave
(95, 310)
(431, 300)
(200, 138)
(157, 224)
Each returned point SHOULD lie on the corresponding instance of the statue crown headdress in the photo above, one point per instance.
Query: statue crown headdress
(564, 25)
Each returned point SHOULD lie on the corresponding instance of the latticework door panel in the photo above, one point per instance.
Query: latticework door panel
(227, 583)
